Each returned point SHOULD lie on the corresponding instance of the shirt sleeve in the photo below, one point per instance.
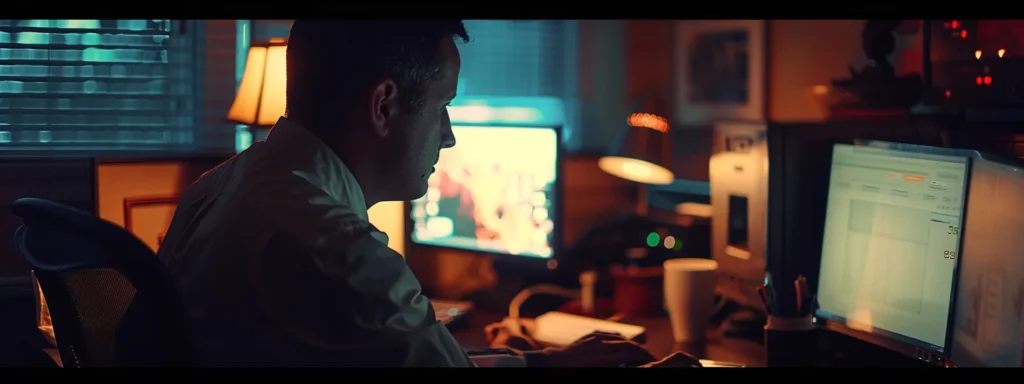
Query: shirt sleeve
(380, 304)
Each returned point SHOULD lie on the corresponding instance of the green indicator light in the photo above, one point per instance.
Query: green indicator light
(653, 239)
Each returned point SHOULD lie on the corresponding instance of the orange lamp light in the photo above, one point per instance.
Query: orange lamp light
(642, 154)
(261, 96)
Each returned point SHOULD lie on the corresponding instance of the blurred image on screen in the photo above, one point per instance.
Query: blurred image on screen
(493, 192)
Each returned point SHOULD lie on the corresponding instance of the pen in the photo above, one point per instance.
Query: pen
(762, 291)
(770, 288)
(799, 297)
(802, 295)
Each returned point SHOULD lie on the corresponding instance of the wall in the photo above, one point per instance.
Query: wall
(217, 80)
(153, 185)
(116, 183)
(802, 54)
(389, 217)
(805, 53)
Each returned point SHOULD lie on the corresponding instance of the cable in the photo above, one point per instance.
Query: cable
(512, 321)
(519, 299)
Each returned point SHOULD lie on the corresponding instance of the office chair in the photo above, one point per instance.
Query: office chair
(111, 300)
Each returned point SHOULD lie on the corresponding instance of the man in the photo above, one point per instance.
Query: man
(276, 260)
(272, 249)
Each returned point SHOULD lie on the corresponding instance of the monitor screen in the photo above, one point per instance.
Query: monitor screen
(988, 330)
(891, 243)
(493, 192)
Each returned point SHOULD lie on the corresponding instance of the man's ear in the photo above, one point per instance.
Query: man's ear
(383, 106)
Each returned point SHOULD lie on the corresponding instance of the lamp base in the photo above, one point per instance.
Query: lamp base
(259, 133)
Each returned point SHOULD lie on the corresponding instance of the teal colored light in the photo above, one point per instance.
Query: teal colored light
(243, 39)
(653, 239)
(533, 110)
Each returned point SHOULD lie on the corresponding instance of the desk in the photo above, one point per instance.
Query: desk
(659, 340)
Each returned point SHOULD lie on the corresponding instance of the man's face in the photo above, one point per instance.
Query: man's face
(418, 137)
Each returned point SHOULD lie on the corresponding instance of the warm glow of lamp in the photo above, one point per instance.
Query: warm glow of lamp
(261, 96)
(642, 154)
(635, 170)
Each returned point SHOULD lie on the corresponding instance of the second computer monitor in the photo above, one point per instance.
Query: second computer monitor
(891, 244)
(989, 326)
(496, 191)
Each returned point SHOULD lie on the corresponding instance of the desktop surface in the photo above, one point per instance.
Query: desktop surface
(658, 341)
(494, 192)
(891, 243)
(453, 314)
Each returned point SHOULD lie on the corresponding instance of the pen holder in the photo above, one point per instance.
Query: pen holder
(790, 342)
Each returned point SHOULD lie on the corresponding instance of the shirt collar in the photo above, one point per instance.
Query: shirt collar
(309, 157)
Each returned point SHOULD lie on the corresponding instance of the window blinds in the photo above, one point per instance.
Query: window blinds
(102, 85)
(519, 58)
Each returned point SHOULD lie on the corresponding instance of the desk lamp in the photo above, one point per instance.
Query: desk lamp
(261, 96)
(641, 154)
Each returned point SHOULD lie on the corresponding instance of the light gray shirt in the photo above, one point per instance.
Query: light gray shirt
(279, 266)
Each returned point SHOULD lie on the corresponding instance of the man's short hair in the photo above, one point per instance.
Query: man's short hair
(329, 61)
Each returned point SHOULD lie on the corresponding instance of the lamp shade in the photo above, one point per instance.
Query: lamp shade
(261, 96)
(642, 154)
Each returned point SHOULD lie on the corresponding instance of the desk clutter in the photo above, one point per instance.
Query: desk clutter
(560, 330)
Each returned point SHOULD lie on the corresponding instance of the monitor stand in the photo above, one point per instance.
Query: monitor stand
(514, 276)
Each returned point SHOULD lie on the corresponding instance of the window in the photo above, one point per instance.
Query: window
(518, 58)
(96, 86)
(525, 63)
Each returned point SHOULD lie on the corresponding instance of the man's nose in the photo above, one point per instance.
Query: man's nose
(447, 136)
(448, 140)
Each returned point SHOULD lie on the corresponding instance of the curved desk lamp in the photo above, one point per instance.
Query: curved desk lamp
(641, 154)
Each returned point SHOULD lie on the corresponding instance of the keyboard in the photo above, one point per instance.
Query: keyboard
(449, 311)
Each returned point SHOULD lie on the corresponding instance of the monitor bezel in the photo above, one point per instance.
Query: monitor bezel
(911, 347)
(557, 233)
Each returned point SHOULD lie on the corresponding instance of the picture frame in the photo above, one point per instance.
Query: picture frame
(719, 70)
(147, 217)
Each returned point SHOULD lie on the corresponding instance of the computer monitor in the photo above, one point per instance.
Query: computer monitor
(988, 330)
(891, 244)
(799, 162)
(495, 192)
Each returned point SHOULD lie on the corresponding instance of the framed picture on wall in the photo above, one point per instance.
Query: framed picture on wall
(719, 70)
(147, 217)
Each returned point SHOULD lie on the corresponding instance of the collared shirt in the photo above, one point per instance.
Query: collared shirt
(279, 266)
